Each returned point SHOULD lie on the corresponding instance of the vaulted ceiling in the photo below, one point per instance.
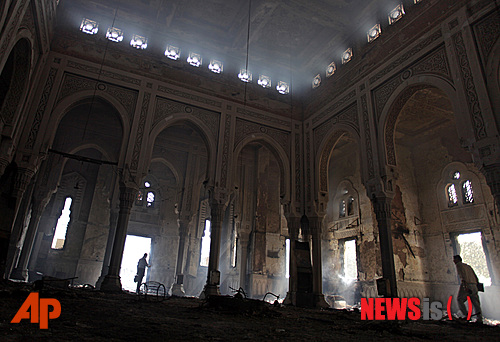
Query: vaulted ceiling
(289, 40)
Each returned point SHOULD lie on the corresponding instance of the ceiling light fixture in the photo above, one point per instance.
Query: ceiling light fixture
(374, 33)
(139, 42)
(114, 34)
(194, 59)
(283, 88)
(347, 56)
(89, 26)
(173, 52)
(316, 81)
(396, 14)
(330, 69)
(215, 66)
(264, 81)
(245, 76)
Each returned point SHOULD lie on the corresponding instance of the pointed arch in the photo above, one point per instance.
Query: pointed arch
(279, 154)
(325, 151)
(399, 98)
(194, 123)
(85, 98)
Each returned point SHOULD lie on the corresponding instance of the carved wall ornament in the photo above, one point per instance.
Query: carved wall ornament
(72, 84)
(191, 97)
(486, 32)
(325, 157)
(42, 105)
(348, 116)
(262, 117)
(245, 128)
(436, 62)
(469, 87)
(225, 151)
(390, 125)
(12, 29)
(165, 107)
(140, 132)
(91, 69)
(407, 55)
(368, 139)
(331, 109)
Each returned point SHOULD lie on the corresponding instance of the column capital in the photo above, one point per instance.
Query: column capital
(128, 194)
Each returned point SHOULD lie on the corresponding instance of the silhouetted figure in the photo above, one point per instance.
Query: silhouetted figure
(141, 269)
(468, 287)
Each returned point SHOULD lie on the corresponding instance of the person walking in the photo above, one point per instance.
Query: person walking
(468, 288)
(141, 270)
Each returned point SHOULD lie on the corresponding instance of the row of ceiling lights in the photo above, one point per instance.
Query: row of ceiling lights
(139, 42)
(372, 34)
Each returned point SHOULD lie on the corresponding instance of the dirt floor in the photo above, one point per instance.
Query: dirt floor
(89, 315)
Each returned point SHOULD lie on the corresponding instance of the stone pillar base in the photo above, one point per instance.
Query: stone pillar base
(178, 290)
(320, 302)
(111, 284)
(19, 274)
(210, 290)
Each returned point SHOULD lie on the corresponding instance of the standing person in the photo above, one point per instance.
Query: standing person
(468, 287)
(141, 269)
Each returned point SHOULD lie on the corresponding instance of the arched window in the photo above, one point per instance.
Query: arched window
(147, 195)
(452, 195)
(350, 206)
(342, 208)
(59, 238)
(468, 194)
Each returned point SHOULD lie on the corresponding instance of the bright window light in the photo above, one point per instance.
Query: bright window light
(287, 258)
(62, 225)
(396, 14)
(134, 249)
(89, 26)
(173, 52)
(416, 1)
(139, 42)
(114, 34)
(194, 59)
(283, 88)
(264, 81)
(205, 245)
(347, 56)
(316, 81)
(472, 253)
(374, 33)
(330, 69)
(215, 66)
(245, 75)
(147, 184)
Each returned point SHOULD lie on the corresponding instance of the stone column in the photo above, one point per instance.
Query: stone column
(20, 272)
(492, 174)
(213, 277)
(315, 225)
(293, 223)
(113, 218)
(243, 238)
(111, 282)
(382, 208)
(178, 287)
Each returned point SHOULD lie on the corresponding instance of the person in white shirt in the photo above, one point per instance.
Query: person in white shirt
(468, 287)
(141, 269)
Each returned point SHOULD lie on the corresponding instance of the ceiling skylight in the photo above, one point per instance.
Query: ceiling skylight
(283, 88)
(114, 34)
(139, 42)
(374, 33)
(245, 75)
(173, 52)
(215, 66)
(89, 26)
(316, 81)
(396, 14)
(330, 69)
(194, 59)
(347, 56)
(264, 81)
